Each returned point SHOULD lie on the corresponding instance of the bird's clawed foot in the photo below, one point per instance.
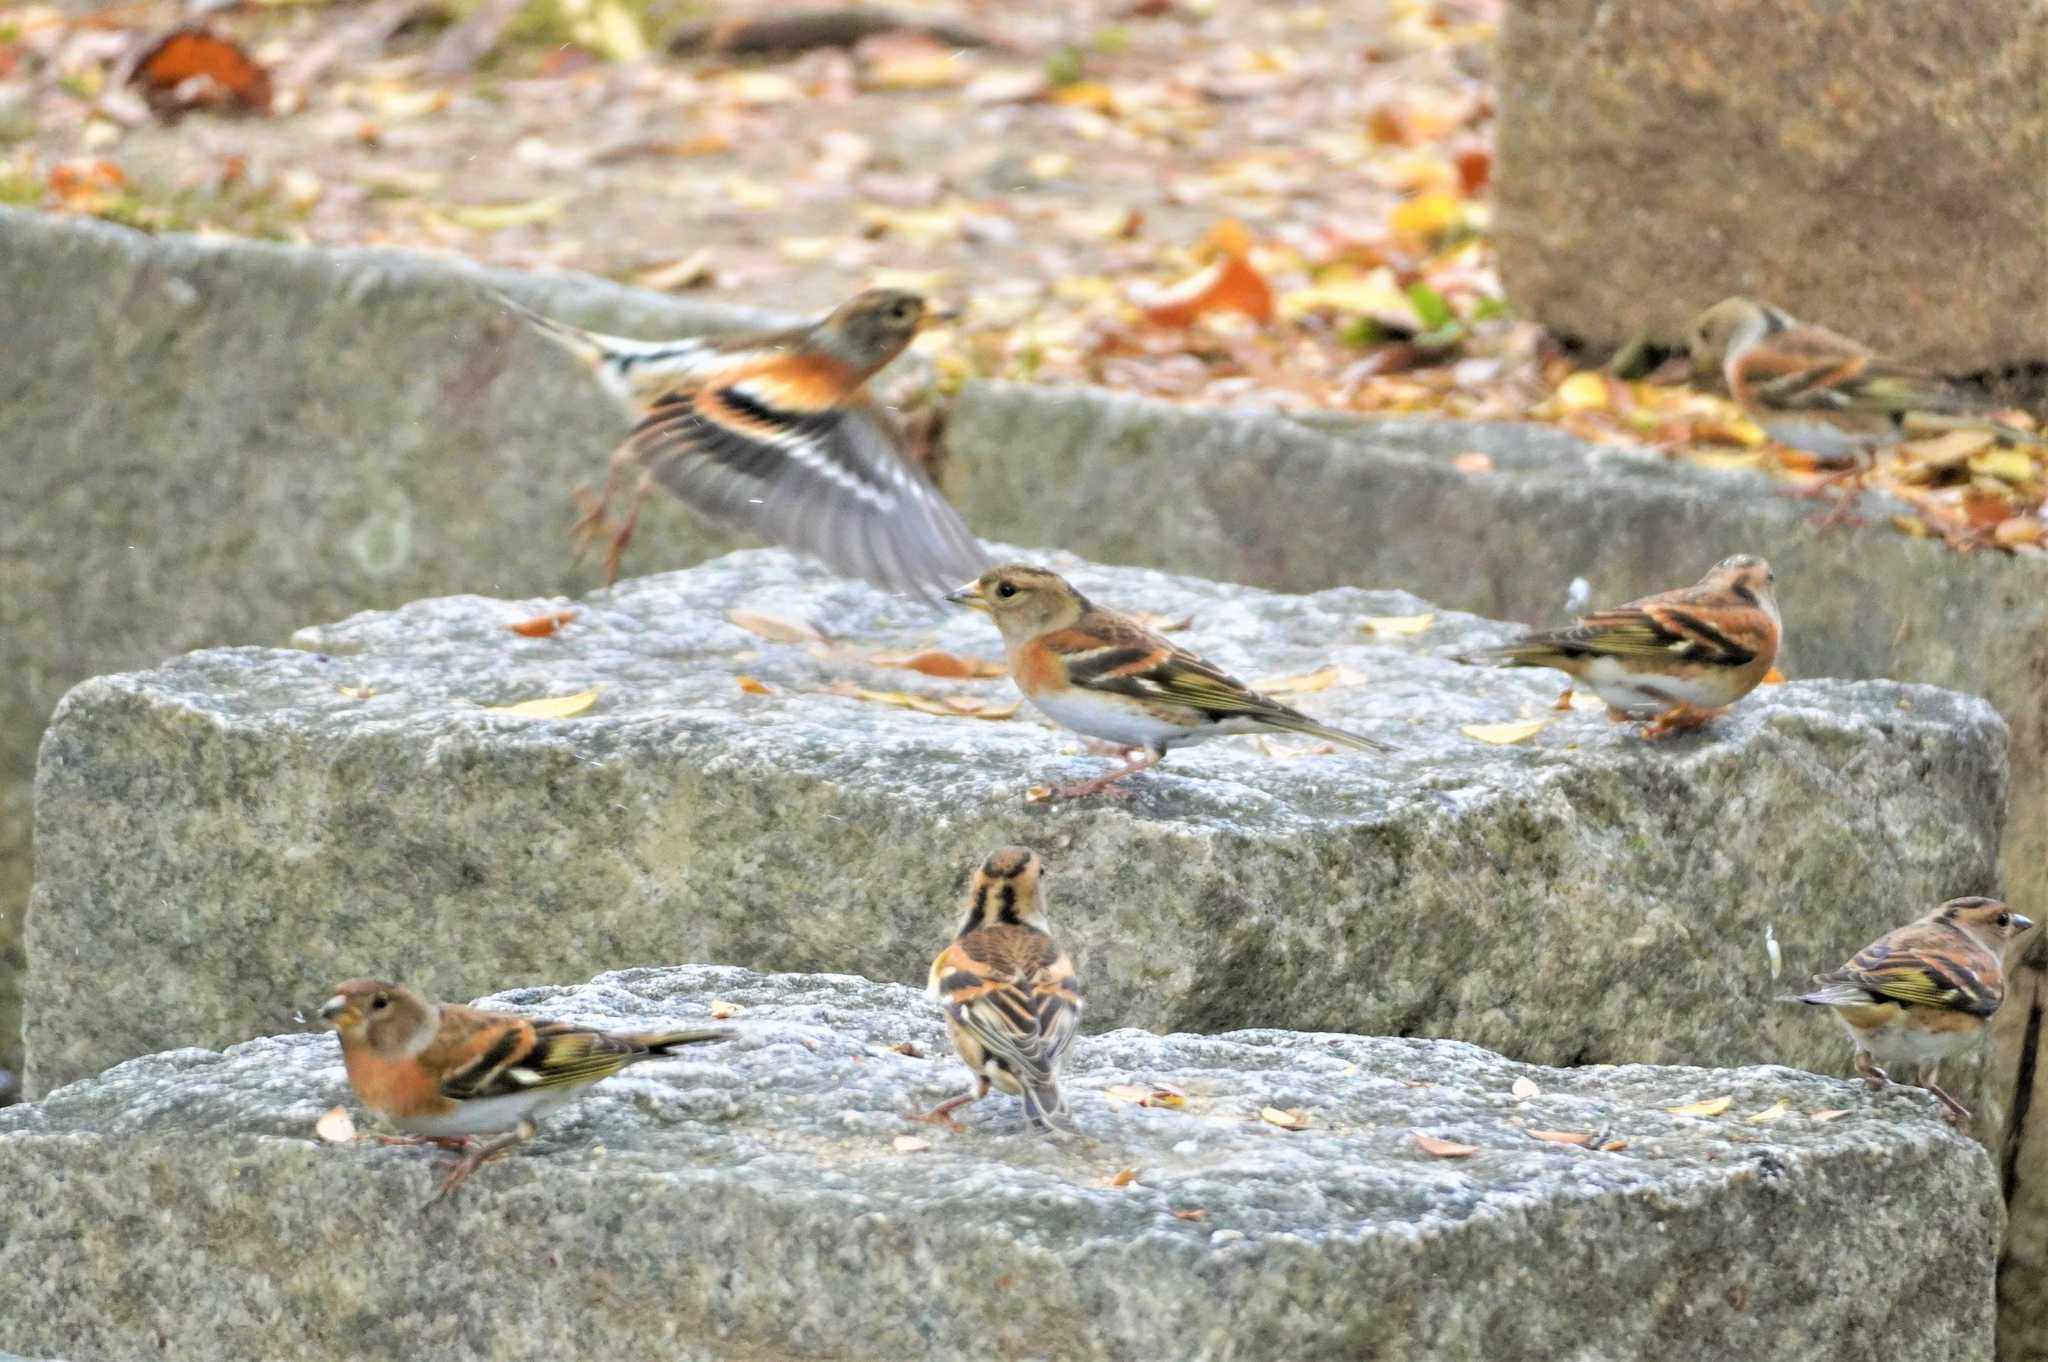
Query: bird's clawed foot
(478, 1155)
(1957, 1112)
(942, 1114)
(1681, 718)
(595, 522)
(1136, 759)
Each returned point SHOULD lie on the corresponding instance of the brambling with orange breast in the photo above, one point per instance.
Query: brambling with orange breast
(1110, 679)
(1010, 994)
(444, 1073)
(1924, 992)
(1822, 392)
(1678, 658)
(775, 434)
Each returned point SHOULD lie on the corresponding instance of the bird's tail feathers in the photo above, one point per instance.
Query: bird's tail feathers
(1301, 723)
(1045, 1106)
(592, 347)
(667, 1042)
(1824, 993)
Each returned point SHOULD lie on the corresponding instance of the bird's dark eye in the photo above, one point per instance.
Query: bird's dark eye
(380, 1002)
(1006, 590)
(2005, 919)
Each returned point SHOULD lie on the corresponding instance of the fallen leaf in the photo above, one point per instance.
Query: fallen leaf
(1827, 1115)
(1613, 1146)
(1424, 218)
(1775, 1112)
(910, 1144)
(1501, 734)
(1286, 1120)
(554, 707)
(2007, 465)
(720, 1010)
(949, 707)
(907, 1048)
(1577, 1137)
(1124, 1178)
(356, 692)
(1949, 450)
(751, 686)
(1397, 626)
(191, 68)
(1444, 1149)
(1773, 677)
(949, 665)
(684, 272)
(336, 1126)
(2019, 529)
(1525, 1088)
(1583, 391)
(774, 628)
(493, 217)
(1321, 679)
(1192, 1213)
(1712, 1106)
(542, 626)
(1473, 463)
(1231, 284)
(1158, 1095)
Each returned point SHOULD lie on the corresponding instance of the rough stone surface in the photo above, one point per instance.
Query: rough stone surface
(1877, 165)
(247, 823)
(749, 1202)
(297, 435)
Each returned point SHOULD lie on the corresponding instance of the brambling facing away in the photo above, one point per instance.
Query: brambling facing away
(1110, 679)
(775, 435)
(1923, 992)
(1678, 658)
(1011, 997)
(445, 1073)
(1824, 393)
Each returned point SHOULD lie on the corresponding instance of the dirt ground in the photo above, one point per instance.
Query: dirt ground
(1215, 200)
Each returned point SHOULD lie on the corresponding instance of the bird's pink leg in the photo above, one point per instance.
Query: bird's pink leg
(480, 1154)
(942, 1114)
(1145, 757)
(1680, 718)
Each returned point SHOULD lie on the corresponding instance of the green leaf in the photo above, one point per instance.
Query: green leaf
(1430, 306)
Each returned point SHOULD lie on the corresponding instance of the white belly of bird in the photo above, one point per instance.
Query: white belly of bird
(1111, 719)
(1639, 693)
(490, 1115)
(1896, 1044)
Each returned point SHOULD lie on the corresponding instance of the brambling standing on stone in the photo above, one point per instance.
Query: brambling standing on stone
(445, 1074)
(1678, 658)
(775, 435)
(1110, 679)
(1824, 393)
(1923, 992)
(1011, 998)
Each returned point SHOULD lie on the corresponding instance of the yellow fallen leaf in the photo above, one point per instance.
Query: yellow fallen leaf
(1583, 391)
(1525, 1088)
(1086, 94)
(493, 217)
(1614, 1146)
(1438, 1148)
(1501, 734)
(910, 1144)
(2007, 465)
(1577, 1137)
(1321, 679)
(751, 686)
(744, 192)
(336, 1126)
(1712, 1106)
(1948, 449)
(1427, 216)
(1286, 1120)
(1773, 677)
(356, 692)
(775, 628)
(1827, 1115)
(1775, 1112)
(613, 32)
(1723, 458)
(554, 707)
(1156, 1095)
(1397, 626)
(720, 1009)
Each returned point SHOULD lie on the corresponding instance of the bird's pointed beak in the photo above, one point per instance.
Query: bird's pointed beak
(969, 596)
(938, 316)
(331, 1010)
(2020, 923)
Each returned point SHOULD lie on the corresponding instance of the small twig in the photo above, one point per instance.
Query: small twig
(802, 30)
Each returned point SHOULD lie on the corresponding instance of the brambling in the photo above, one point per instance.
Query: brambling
(1923, 992)
(1677, 658)
(776, 435)
(1815, 390)
(1011, 998)
(445, 1074)
(1110, 679)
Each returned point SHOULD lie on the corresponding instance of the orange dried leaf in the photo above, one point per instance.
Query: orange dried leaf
(1192, 1213)
(1577, 1137)
(751, 686)
(1229, 285)
(775, 628)
(192, 68)
(1773, 677)
(1124, 1177)
(948, 665)
(1438, 1148)
(542, 626)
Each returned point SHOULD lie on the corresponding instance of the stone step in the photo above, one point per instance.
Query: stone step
(751, 1201)
(241, 826)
